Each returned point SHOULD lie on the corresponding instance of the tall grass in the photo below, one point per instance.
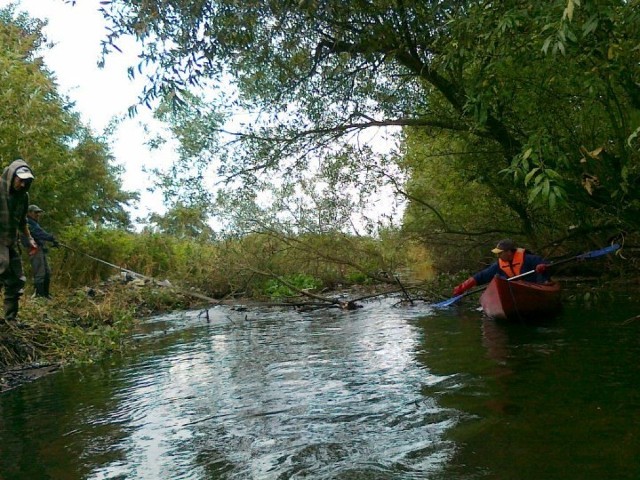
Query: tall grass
(244, 266)
(88, 319)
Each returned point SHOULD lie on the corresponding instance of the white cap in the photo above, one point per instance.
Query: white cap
(24, 173)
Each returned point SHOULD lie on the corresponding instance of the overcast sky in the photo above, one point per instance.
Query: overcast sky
(99, 94)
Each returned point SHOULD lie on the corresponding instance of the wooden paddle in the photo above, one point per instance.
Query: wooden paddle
(582, 256)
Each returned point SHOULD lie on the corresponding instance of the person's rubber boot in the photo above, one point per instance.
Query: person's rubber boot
(47, 282)
(11, 312)
(40, 289)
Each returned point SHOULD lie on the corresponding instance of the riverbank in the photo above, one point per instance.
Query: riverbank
(88, 324)
(79, 326)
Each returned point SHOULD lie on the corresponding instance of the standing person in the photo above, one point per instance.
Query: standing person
(39, 261)
(511, 262)
(14, 200)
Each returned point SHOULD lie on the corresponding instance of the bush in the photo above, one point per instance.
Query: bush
(235, 267)
(278, 289)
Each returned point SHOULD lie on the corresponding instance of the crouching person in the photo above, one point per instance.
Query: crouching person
(15, 182)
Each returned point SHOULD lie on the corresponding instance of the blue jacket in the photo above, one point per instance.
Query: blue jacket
(39, 235)
(530, 263)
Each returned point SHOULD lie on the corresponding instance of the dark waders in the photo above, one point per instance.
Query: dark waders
(41, 273)
(12, 279)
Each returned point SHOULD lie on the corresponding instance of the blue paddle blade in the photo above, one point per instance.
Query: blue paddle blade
(601, 252)
(448, 302)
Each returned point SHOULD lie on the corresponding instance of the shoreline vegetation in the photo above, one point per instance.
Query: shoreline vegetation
(464, 162)
(106, 281)
(92, 323)
(436, 122)
(101, 296)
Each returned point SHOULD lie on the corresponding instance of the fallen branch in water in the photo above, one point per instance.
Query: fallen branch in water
(325, 301)
(309, 306)
(404, 290)
(629, 320)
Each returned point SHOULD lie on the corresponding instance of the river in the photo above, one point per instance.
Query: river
(384, 392)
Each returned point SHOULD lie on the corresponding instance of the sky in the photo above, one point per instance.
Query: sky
(100, 94)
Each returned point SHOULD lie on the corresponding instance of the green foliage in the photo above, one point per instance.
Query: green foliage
(76, 181)
(545, 185)
(183, 222)
(227, 267)
(147, 254)
(279, 288)
(530, 84)
(458, 200)
(559, 78)
(357, 278)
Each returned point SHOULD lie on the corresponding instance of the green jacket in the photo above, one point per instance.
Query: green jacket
(13, 206)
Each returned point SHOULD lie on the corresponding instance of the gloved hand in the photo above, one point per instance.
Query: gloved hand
(464, 286)
(541, 268)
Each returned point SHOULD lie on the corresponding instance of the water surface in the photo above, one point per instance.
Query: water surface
(379, 393)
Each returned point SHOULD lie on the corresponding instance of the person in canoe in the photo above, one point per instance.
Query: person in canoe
(512, 261)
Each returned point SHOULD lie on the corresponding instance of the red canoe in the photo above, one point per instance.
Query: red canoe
(519, 300)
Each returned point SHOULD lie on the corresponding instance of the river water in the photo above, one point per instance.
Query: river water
(384, 392)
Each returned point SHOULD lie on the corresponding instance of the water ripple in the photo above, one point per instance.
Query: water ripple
(284, 396)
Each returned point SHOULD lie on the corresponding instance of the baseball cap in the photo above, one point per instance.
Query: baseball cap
(24, 173)
(503, 245)
(35, 209)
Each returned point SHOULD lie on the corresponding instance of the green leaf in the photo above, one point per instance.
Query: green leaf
(530, 175)
(590, 25)
(568, 11)
(549, 172)
(534, 193)
(561, 47)
(633, 136)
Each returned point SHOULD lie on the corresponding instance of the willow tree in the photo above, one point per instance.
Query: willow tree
(76, 179)
(545, 92)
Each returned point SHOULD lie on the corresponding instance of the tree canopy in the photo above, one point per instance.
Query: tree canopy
(76, 179)
(541, 98)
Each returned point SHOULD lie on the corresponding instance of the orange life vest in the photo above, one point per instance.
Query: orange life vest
(513, 268)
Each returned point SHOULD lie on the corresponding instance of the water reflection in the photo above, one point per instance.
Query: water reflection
(379, 393)
(275, 395)
(537, 403)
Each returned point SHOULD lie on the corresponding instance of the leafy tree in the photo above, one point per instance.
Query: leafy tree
(549, 88)
(76, 181)
(562, 106)
(182, 221)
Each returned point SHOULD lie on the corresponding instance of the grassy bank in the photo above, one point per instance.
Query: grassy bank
(81, 325)
(95, 306)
